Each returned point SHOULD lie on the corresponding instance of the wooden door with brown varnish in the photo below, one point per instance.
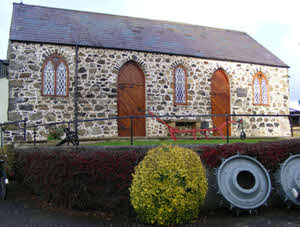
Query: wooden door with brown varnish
(220, 100)
(131, 99)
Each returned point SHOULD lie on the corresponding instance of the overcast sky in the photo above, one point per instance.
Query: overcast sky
(274, 24)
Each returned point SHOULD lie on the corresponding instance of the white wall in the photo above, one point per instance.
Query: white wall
(3, 99)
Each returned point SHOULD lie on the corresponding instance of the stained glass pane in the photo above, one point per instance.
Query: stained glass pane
(61, 80)
(264, 91)
(48, 77)
(256, 91)
(179, 85)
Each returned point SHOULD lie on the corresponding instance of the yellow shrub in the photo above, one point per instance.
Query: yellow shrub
(168, 186)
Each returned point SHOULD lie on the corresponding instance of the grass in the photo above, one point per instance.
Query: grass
(297, 133)
(185, 141)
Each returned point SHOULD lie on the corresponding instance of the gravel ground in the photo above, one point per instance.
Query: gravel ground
(23, 209)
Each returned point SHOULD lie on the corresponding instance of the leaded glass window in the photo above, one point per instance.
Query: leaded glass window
(260, 89)
(48, 88)
(256, 88)
(61, 80)
(180, 86)
(55, 77)
(264, 92)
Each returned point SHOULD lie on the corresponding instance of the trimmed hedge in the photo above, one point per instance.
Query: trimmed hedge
(80, 180)
(100, 180)
(270, 154)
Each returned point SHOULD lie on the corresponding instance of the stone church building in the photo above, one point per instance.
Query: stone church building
(126, 65)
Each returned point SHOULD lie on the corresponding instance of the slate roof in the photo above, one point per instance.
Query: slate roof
(293, 110)
(60, 26)
(5, 62)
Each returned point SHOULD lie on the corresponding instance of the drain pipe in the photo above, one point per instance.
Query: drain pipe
(76, 93)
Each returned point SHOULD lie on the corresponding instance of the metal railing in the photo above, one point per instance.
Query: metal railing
(2, 125)
(196, 117)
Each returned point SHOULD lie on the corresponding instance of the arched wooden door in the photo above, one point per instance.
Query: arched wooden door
(131, 99)
(220, 99)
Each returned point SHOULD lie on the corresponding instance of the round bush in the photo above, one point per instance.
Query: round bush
(168, 186)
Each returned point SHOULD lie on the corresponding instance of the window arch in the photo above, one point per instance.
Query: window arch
(55, 77)
(180, 85)
(260, 89)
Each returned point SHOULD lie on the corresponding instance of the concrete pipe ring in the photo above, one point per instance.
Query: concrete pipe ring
(243, 182)
(288, 180)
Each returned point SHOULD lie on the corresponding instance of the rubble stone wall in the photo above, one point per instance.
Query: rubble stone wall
(97, 86)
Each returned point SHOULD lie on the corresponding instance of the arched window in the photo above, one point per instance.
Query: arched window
(180, 86)
(55, 77)
(260, 89)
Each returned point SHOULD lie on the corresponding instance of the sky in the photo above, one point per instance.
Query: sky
(274, 24)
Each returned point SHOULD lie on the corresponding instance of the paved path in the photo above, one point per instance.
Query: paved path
(20, 210)
(18, 213)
